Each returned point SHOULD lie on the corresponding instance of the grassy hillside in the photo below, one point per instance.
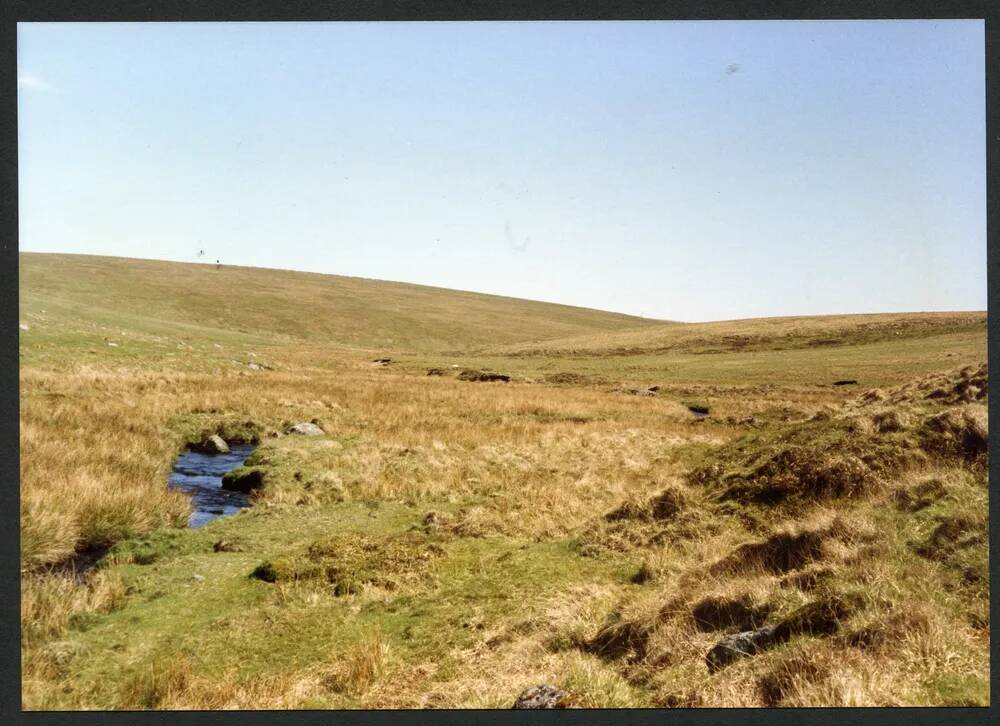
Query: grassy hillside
(762, 334)
(285, 307)
(449, 543)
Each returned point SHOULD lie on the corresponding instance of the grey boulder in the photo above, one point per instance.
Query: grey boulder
(306, 429)
(215, 445)
(740, 645)
(543, 696)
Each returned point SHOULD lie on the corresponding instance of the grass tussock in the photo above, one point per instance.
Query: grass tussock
(362, 665)
(350, 562)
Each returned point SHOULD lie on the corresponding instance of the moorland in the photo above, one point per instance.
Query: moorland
(504, 493)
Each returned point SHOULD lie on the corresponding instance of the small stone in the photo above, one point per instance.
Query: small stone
(306, 428)
(24, 326)
(739, 645)
(253, 366)
(197, 578)
(543, 696)
(215, 445)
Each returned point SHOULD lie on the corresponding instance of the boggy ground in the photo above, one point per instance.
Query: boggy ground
(448, 543)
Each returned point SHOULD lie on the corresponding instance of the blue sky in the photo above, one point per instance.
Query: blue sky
(678, 170)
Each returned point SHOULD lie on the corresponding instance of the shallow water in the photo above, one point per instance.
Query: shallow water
(200, 475)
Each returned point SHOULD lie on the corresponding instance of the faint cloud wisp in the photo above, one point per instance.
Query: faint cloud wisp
(522, 247)
(27, 81)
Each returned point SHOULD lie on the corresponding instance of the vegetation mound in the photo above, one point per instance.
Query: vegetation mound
(809, 461)
(349, 562)
(968, 384)
(961, 432)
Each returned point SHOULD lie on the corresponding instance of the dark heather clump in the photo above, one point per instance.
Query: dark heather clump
(778, 554)
(801, 472)
(664, 505)
(718, 613)
(620, 639)
(820, 617)
(482, 376)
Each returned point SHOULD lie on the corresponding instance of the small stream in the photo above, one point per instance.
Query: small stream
(200, 475)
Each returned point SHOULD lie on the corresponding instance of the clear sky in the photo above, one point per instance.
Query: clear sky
(678, 170)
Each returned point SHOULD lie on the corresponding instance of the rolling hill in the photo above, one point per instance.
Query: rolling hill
(285, 306)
